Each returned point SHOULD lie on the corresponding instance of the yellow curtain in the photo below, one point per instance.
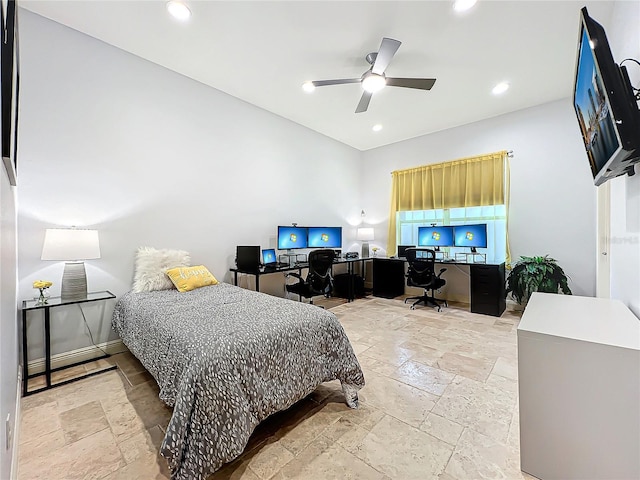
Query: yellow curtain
(466, 182)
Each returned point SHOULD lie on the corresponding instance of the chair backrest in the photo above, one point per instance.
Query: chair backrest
(319, 276)
(421, 270)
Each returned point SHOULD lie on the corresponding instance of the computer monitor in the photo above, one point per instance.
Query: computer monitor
(290, 238)
(441, 236)
(325, 237)
(269, 256)
(472, 236)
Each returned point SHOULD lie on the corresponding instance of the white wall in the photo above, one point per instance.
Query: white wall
(624, 38)
(150, 157)
(552, 194)
(8, 319)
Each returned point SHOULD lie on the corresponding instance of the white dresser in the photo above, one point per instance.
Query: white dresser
(579, 383)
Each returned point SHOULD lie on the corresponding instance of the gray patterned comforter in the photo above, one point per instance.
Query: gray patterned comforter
(226, 358)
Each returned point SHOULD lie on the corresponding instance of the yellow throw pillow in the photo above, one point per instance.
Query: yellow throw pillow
(190, 278)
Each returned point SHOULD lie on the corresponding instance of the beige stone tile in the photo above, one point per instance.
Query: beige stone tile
(365, 416)
(128, 363)
(152, 411)
(473, 368)
(149, 467)
(122, 417)
(502, 383)
(506, 368)
(236, 470)
(392, 354)
(138, 378)
(68, 374)
(302, 434)
(99, 364)
(409, 404)
(481, 457)
(391, 443)
(36, 400)
(40, 444)
(89, 389)
(267, 460)
(484, 408)
(92, 457)
(83, 421)
(39, 421)
(442, 428)
(326, 461)
(422, 376)
(142, 444)
(369, 364)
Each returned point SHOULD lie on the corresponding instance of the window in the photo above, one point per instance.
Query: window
(495, 216)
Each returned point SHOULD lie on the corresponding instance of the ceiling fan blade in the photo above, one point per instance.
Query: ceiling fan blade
(419, 83)
(340, 81)
(364, 102)
(388, 49)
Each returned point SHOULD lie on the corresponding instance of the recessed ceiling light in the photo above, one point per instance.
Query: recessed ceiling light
(500, 88)
(377, 127)
(463, 5)
(308, 87)
(178, 10)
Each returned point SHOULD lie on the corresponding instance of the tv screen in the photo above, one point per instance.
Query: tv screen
(435, 236)
(473, 236)
(605, 106)
(292, 237)
(329, 237)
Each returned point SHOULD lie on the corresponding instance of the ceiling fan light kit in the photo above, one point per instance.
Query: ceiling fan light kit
(375, 79)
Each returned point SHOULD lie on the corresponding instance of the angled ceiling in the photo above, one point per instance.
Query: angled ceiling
(262, 52)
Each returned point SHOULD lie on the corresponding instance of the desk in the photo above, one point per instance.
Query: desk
(486, 283)
(53, 302)
(350, 262)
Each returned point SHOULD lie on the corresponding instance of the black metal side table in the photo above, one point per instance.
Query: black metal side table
(53, 302)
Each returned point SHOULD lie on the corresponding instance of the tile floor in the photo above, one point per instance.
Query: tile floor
(440, 403)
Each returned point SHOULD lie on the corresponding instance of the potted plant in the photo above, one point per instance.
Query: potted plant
(536, 274)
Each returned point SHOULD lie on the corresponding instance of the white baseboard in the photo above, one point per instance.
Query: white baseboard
(15, 441)
(75, 356)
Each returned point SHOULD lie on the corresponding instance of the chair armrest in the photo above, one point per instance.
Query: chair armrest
(442, 270)
(296, 275)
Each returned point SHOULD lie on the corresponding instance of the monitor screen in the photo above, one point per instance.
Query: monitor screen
(595, 117)
(269, 256)
(441, 236)
(329, 237)
(402, 249)
(474, 236)
(292, 237)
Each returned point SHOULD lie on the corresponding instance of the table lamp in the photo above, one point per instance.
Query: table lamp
(72, 246)
(365, 234)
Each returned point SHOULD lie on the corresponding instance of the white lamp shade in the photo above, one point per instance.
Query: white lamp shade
(365, 234)
(70, 244)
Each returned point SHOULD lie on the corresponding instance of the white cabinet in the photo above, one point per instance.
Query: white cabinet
(579, 383)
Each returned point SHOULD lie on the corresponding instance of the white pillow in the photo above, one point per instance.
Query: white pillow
(151, 265)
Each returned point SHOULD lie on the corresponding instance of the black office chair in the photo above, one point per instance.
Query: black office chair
(421, 273)
(319, 280)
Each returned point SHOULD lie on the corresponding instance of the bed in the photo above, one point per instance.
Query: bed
(226, 358)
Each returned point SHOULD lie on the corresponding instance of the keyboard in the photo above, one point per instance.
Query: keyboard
(276, 265)
(301, 264)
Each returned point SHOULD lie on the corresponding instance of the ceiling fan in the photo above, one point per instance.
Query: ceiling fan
(374, 79)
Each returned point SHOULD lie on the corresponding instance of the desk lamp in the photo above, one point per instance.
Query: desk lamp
(365, 234)
(72, 246)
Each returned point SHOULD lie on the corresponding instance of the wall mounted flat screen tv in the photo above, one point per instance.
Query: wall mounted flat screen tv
(325, 237)
(290, 238)
(472, 236)
(435, 236)
(605, 106)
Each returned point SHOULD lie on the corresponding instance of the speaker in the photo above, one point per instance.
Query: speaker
(248, 257)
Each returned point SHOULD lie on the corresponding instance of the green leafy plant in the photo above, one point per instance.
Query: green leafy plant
(536, 274)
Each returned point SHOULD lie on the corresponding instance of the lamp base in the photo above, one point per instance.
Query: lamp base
(74, 281)
(365, 249)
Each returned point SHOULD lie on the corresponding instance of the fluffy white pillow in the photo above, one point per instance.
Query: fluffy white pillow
(151, 265)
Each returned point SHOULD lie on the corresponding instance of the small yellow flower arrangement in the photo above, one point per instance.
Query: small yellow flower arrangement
(42, 285)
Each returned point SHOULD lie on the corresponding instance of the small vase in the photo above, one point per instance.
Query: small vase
(44, 297)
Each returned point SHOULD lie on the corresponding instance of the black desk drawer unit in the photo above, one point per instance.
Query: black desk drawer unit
(388, 277)
(487, 289)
